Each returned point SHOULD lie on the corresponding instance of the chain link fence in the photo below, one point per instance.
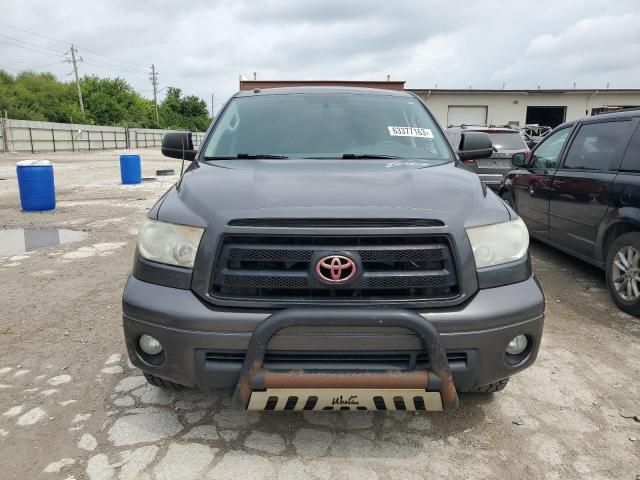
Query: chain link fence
(34, 137)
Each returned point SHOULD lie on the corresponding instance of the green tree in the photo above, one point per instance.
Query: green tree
(183, 113)
(107, 101)
(39, 96)
(112, 101)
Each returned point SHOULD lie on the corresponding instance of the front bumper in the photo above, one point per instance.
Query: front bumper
(188, 329)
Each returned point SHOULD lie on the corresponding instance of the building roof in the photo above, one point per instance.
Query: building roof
(382, 84)
(460, 91)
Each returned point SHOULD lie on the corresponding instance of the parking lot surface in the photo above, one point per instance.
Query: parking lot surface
(71, 406)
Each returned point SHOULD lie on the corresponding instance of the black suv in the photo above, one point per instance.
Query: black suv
(580, 192)
(325, 250)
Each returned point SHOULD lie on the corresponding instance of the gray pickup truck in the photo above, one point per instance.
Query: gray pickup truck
(326, 250)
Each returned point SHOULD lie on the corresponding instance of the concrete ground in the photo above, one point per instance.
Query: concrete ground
(72, 407)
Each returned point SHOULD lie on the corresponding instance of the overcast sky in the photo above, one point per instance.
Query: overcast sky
(203, 46)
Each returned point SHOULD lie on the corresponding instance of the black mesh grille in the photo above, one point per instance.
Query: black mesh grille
(281, 268)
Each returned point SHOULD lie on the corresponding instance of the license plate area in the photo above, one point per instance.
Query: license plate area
(329, 399)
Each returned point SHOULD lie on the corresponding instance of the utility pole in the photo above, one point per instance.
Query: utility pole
(73, 51)
(212, 105)
(154, 82)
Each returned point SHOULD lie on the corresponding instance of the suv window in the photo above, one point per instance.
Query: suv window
(596, 145)
(631, 160)
(507, 141)
(546, 155)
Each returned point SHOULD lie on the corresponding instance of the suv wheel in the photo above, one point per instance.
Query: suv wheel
(623, 272)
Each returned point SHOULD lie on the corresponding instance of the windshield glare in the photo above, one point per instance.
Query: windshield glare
(327, 126)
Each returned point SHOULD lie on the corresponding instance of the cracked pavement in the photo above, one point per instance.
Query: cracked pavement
(72, 406)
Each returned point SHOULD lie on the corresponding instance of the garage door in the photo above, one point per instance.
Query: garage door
(467, 115)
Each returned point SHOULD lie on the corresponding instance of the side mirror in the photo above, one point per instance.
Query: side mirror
(519, 159)
(475, 145)
(178, 145)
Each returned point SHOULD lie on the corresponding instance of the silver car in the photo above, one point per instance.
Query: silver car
(506, 142)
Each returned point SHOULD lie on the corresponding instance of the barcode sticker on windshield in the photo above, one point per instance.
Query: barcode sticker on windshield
(410, 132)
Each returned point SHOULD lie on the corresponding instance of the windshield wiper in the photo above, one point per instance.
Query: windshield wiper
(367, 155)
(259, 155)
(250, 156)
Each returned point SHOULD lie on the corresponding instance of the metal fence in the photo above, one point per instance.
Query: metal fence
(32, 136)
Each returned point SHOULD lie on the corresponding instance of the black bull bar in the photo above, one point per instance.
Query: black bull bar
(254, 377)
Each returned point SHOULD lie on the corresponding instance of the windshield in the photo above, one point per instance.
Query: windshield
(314, 125)
(507, 141)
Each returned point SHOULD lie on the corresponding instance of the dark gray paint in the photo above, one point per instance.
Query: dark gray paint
(212, 194)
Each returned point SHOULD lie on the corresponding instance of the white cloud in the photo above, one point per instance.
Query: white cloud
(590, 52)
(202, 46)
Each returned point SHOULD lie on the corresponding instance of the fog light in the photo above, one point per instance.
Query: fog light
(149, 345)
(517, 345)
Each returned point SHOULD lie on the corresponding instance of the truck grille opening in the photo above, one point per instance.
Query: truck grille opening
(328, 360)
(335, 222)
(281, 268)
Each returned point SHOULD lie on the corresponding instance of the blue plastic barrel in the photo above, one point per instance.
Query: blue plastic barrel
(130, 168)
(35, 182)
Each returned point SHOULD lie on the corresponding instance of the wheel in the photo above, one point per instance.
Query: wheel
(161, 382)
(623, 272)
(492, 387)
(532, 189)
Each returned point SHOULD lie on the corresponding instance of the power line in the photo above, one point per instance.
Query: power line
(29, 43)
(33, 33)
(45, 65)
(104, 64)
(31, 49)
(109, 67)
(28, 61)
(67, 43)
(112, 58)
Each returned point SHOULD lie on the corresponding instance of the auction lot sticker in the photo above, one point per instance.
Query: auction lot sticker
(410, 132)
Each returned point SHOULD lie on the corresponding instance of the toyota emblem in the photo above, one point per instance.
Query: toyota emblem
(336, 269)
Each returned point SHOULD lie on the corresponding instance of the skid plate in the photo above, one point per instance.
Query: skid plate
(349, 399)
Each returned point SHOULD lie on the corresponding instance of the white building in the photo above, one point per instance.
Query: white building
(520, 107)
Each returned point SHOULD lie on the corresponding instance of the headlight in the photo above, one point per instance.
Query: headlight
(169, 243)
(499, 243)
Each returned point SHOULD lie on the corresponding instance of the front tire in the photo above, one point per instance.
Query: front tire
(623, 272)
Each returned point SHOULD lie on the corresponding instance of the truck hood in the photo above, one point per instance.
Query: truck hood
(219, 191)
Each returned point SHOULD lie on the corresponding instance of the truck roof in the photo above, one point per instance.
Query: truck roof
(321, 90)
